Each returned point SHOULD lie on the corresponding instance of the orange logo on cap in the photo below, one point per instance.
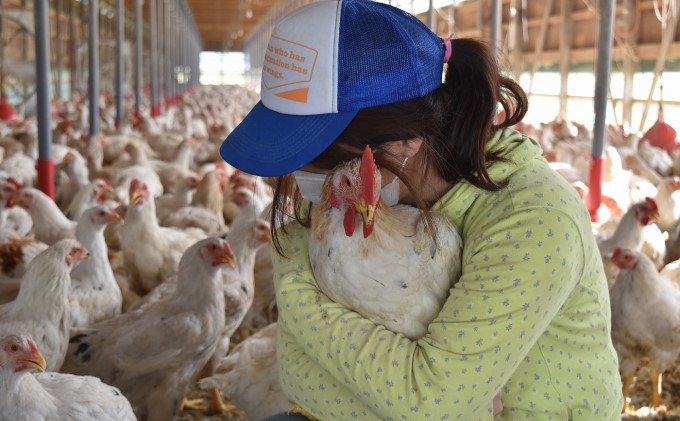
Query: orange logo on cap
(299, 95)
(288, 63)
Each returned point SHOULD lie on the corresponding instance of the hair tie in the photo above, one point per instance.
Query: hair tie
(447, 47)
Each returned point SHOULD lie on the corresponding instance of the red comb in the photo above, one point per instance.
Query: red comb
(616, 253)
(652, 202)
(13, 181)
(134, 185)
(367, 171)
(235, 175)
(32, 346)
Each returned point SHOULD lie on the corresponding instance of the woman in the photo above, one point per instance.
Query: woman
(529, 317)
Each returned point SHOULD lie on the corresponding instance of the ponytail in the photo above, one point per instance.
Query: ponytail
(472, 90)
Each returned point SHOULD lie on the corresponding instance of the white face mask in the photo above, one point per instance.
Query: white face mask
(310, 185)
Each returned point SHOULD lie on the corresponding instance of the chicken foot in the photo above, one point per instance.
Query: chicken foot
(216, 406)
(656, 378)
(627, 384)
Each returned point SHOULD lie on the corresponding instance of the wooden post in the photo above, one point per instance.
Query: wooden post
(565, 51)
(630, 64)
(540, 42)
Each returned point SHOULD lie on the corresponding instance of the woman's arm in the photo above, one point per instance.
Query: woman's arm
(515, 279)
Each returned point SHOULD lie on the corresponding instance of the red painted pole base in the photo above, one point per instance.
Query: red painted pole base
(156, 110)
(595, 177)
(46, 176)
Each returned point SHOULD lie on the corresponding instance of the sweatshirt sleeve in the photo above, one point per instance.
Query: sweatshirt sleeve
(516, 276)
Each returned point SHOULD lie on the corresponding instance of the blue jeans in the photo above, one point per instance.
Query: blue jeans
(284, 416)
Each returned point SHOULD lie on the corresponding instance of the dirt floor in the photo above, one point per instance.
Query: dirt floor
(639, 397)
(641, 394)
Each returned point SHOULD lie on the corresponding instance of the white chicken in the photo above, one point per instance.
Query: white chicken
(645, 320)
(41, 310)
(396, 274)
(140, 169)
(249, 376)
(178, 198)
(50, 223)
(25, 396)
(96, 192)
(14, 218)
(77, 176)
(629, 233)
(151, 252)
(247, 237)
(668, 200)
(95, 295)
(250, 233)
(16, 252)
(152, 353)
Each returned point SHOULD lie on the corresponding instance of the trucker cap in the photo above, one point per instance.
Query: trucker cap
(324, 63)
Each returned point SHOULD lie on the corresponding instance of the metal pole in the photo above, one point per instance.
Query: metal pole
(496, 23)
(57, 36)
(93, 65)
(71, 48)
(431, 17)
(120, 21)
(138, 57)
(153, 25)
(161, 53)
(42, 71)
(604, 64)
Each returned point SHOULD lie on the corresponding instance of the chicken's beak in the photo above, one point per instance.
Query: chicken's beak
(16, 200)
(228, 257)
(109, 193)
(366, 211)
(265, 237)
(655, 215)
(34, 360)
(135, 198)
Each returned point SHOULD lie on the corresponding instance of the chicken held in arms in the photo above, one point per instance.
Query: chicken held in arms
(397, 274)
(151, 354)
(645, 320)
(25, 396)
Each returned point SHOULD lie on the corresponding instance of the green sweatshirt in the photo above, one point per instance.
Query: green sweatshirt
(529, 316)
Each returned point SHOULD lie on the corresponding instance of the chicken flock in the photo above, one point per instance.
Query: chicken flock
(144, 289)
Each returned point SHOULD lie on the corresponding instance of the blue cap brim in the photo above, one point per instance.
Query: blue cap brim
(269, 143)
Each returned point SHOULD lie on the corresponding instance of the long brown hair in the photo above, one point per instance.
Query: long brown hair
(455, 122)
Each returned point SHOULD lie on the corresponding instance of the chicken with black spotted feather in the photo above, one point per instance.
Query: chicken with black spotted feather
(152, 353)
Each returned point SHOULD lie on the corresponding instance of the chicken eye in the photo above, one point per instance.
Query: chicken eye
(213, 247)
(14, 348)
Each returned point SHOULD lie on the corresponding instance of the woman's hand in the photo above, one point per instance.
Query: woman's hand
(497, 404)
